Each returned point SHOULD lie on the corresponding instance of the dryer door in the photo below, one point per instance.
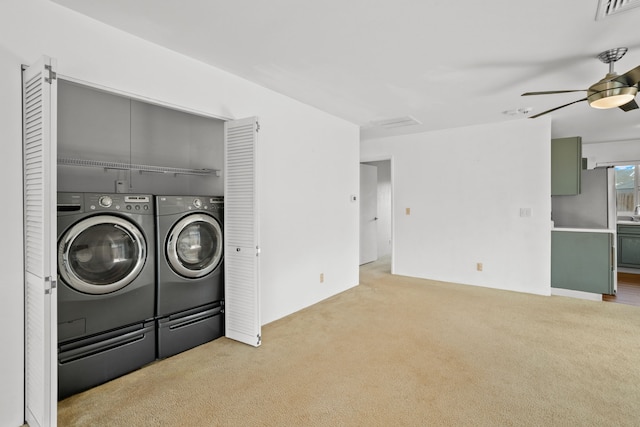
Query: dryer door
(194, 246)
(101, 254)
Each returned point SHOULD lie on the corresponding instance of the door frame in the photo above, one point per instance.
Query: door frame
(51, 391)
(368, 214)
(382, 158)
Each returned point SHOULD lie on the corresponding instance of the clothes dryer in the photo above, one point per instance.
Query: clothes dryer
(190, 294)
(106, 287)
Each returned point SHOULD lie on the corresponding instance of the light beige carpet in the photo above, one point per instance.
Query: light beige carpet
(397, 351)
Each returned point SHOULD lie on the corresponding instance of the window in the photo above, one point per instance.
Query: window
(626, 188)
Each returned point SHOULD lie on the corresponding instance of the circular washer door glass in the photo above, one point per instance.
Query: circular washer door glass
(194, 246)
(101, 254)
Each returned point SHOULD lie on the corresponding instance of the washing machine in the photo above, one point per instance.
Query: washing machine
(190, 292)
(106, 287)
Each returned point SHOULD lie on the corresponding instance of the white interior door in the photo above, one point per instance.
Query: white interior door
(368, 213)
(242, 288)
(39, 177)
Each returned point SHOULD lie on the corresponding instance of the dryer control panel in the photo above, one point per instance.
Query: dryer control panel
(217, 203)
(170, 205)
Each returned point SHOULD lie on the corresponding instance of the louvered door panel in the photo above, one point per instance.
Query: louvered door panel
(242, 297)
(39, 179)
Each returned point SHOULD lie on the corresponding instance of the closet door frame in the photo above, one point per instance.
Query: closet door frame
(40, 267)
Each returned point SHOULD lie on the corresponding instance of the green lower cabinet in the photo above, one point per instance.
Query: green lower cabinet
(582, 261)
(629, 246)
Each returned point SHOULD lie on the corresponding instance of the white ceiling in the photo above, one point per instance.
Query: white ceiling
(446, 63)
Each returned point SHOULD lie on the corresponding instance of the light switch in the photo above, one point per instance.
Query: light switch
(408, 211)
(525, 212)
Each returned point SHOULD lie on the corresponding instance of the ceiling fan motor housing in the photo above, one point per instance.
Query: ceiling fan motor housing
(609, 93)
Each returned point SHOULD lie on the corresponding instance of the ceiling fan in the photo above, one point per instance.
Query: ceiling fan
(612, 91)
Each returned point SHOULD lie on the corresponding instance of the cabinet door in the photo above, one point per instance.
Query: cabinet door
(629, 250)
(566, 166)
(40, 262)
(582, 261)
(242, 263)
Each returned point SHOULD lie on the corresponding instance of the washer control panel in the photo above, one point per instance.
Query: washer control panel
(119, 202)
(105, 201)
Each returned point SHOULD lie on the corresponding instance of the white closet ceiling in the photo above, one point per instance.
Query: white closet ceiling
(429, 64)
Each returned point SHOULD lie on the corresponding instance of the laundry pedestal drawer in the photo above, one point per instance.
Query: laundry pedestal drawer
(89, 362)
(188, 329)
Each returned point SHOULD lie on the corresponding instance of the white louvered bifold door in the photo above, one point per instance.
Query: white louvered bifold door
(39, 178)
(242, 296)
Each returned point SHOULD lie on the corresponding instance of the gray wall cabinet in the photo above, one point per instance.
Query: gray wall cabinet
(566, 165)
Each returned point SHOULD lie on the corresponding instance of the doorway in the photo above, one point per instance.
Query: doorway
(628, 290)
(382, 241)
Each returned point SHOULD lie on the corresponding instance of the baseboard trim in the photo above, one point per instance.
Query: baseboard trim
(576, 294)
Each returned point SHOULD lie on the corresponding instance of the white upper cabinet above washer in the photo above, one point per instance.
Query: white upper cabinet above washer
(92, 124)
(95, 125)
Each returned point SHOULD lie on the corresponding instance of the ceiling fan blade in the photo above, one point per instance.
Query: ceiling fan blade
(631, 105)
(629, 78)
(551, 92)
(557, 108)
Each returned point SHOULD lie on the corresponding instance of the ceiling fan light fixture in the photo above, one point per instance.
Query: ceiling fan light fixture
(611, 101)
(611, 94)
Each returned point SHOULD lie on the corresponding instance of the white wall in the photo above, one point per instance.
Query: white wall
(308, 162)
(465, 188)
(603, 153)
(11, 302)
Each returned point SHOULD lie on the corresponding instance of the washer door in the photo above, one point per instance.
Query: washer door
(194, 246)
(101, 254)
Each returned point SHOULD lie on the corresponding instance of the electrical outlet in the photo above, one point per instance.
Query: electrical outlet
(321, 277)
(479, 266)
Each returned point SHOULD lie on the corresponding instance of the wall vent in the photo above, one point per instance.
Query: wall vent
(607, 8)
(396, 122)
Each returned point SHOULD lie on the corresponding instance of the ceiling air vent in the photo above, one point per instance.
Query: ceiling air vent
(607, 8)
(396, 122)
